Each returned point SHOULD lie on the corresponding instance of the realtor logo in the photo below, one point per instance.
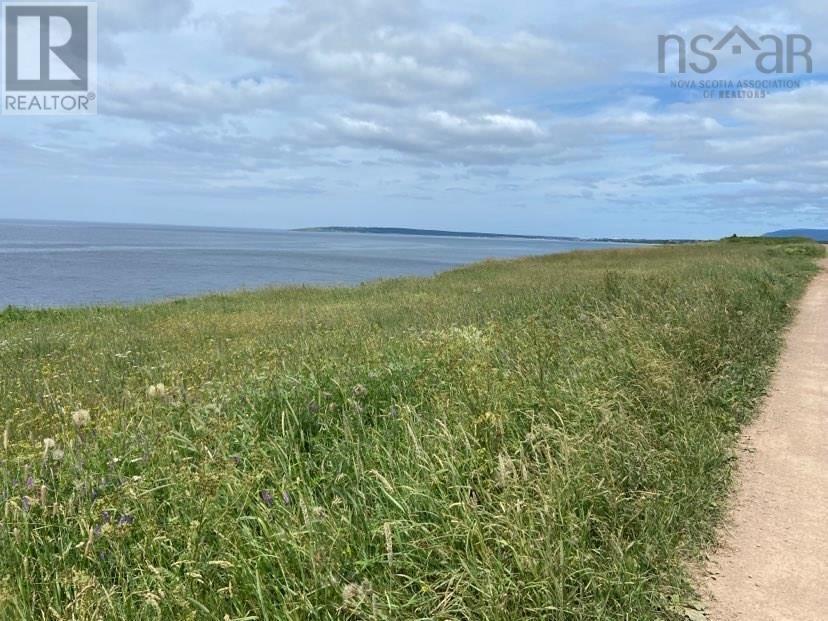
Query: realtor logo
(50, 58)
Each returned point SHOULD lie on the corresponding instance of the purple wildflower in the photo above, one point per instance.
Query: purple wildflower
(126, 520)
(286, 497)
(29, 482)
(267, 497)
(26, 504)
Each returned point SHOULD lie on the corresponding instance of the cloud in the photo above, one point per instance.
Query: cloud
(438, 135)
(386, 51)
(192, 101)
(117, 16)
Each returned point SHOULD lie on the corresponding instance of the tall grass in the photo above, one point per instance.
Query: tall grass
(547, 438)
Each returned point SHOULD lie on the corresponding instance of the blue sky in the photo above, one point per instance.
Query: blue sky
(523, 117)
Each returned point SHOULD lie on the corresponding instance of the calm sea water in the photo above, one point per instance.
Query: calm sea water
(46, 264)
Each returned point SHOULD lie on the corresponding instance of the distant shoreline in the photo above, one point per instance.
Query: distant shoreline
(377, 230)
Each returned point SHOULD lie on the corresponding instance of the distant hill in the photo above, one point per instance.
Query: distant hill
(820, 235)
(377, 230)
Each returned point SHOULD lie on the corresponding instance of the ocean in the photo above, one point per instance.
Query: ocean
(58, 264)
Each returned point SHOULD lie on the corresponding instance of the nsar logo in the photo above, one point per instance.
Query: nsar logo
(773, 54)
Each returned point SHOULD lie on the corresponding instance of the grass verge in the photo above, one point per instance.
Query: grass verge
(546, 438)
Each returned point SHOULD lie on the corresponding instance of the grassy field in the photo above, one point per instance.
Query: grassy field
(547, 438)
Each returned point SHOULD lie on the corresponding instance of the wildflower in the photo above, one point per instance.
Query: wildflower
(30, 482)
(81, 418)
(267, 497)
(26, 503)
(126, 520)
(286, 497)
(106, 518)
(57, 455)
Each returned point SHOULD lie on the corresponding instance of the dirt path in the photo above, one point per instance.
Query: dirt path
(773, 565)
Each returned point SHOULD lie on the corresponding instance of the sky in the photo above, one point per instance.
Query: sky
(528, 116)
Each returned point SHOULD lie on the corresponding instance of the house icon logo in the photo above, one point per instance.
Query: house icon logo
(735, 47)
(771, 53)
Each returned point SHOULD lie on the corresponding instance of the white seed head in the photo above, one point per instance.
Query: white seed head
(157, 391)
(81, 418)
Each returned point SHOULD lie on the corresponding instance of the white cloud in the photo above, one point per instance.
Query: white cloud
(134, 15)
(192, 101)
